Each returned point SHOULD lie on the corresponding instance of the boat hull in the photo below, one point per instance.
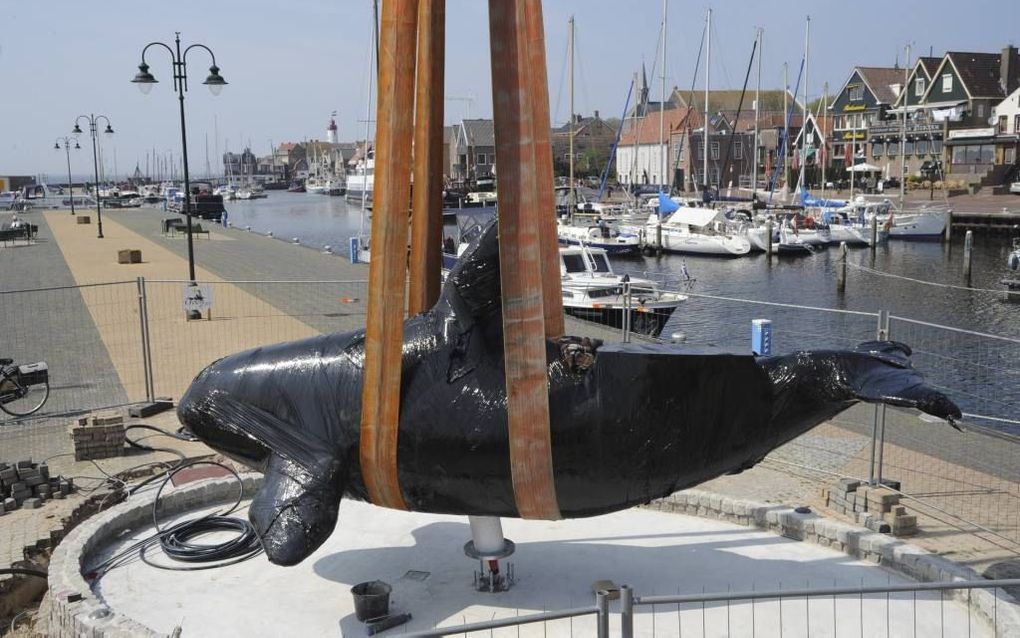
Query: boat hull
(649, 321)
(691, 244)
(615, 249)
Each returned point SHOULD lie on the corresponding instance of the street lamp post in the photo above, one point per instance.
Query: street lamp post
(93, 121)
(67, 151)
(214, 81)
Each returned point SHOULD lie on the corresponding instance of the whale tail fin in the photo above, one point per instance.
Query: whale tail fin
(884, 375)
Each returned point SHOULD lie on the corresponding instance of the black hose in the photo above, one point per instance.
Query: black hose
(176, 540)
(22, 571)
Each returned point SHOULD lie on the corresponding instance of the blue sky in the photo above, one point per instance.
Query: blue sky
(289, 64)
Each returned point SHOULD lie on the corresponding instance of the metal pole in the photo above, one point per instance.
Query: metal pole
(903, 131)
(571, 195)
(626, 612)
(95, 166)
(708, 81)
(602, 615)
(879, 416)
(181, 72)
(883, 335)
(874, 233)
(146, 363)
(768, 238)
(841, 269)
(70, 186)
(663, 145)
(148, 337)
(968, 254)
(626, 309)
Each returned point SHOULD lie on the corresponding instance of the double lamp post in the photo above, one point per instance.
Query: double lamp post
(214, 81)
(93, 121)
(67, 150)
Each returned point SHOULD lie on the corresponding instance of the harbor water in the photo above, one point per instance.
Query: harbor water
(890, 279)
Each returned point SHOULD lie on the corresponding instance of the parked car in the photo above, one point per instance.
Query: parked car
(1015, 188)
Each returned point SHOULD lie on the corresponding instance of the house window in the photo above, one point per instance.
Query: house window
(462, 160)
(947, 83)
(714, 172)
(918, 87)
(856, 93)
(715, 150)
(936, 147)
(877, 149)
(981, 110)
(481, 159)
(1003, 124)
(921, 147)
(908, 148)
(1009, 156)
(738, 150)
(1016, 124)
(893, 149)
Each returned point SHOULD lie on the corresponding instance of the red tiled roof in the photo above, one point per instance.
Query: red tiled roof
(645, 130)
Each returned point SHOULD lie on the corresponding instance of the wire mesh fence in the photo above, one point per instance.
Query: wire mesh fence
(241, 315)
(88, 336)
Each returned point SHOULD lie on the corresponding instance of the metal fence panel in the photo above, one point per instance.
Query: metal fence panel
(88, 335)
(243, 315)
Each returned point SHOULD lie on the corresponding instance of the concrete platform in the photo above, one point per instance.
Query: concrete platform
(556, 563)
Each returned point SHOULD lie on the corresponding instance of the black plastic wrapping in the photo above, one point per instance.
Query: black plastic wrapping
(635, 424)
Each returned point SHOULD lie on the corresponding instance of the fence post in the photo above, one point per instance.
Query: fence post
(143, 321)
(768, 238)
(602, 614)
(841, 269)
(968, 254)
(878, 421)
(626, 308)
(874, 233)
(626, 612)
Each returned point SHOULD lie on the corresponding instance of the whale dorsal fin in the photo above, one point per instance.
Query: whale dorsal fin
(472, 288)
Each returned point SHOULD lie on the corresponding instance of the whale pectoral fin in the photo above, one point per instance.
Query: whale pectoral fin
(295, 512)
(882, 374)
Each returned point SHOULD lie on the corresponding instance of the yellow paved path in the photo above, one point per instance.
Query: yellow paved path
(180, 348)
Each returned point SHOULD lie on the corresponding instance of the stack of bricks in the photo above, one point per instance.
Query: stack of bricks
(98, 437)
(876, 507)
(27, 484)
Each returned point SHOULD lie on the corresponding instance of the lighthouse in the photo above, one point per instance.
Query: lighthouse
(331, 129)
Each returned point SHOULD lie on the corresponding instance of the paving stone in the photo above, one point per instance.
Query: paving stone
(32, 503)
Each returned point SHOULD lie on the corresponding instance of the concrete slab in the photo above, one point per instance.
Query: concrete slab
(556, 564)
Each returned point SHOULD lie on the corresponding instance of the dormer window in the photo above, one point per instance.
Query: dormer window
(856, 93)
(918, 87)
(947, 83)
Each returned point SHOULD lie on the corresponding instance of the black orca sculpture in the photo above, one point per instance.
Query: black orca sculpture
(633, 423)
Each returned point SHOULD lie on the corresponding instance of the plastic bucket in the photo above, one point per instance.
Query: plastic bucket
(371, 599)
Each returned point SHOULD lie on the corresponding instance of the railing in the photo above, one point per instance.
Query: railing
(909, 609)
(125, 342)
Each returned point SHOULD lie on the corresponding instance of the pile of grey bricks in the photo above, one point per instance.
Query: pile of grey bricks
(100, 436)
(27, 484)
(876, 507)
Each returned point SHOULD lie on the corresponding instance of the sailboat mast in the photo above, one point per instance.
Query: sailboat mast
(903, 129)
(368, 109)
(662, 105)
(824, 157)
(757, 112)
(786, 127)
(804, 118)
(708, 76)
(571, 196)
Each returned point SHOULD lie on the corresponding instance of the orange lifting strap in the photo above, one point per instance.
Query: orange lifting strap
(529, 261)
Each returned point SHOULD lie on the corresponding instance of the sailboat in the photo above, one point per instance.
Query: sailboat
(362, 183)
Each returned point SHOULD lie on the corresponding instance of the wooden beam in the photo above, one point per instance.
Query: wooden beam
(520, 258)
(427, 205)
(384, 332)
(538, 86)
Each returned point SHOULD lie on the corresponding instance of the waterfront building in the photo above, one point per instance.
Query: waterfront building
(593, 142)
(472, 150)
(859, 105)
(965, 89)
(1007, 136)
(922, 148)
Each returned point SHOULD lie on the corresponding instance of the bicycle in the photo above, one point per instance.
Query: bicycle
(24, 388)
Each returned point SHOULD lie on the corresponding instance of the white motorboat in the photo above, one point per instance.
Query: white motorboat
(697, 231)
(923, 224)
(42, 196)
(592, 291)
(602, 235)
(361, 182)
(314, 186)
